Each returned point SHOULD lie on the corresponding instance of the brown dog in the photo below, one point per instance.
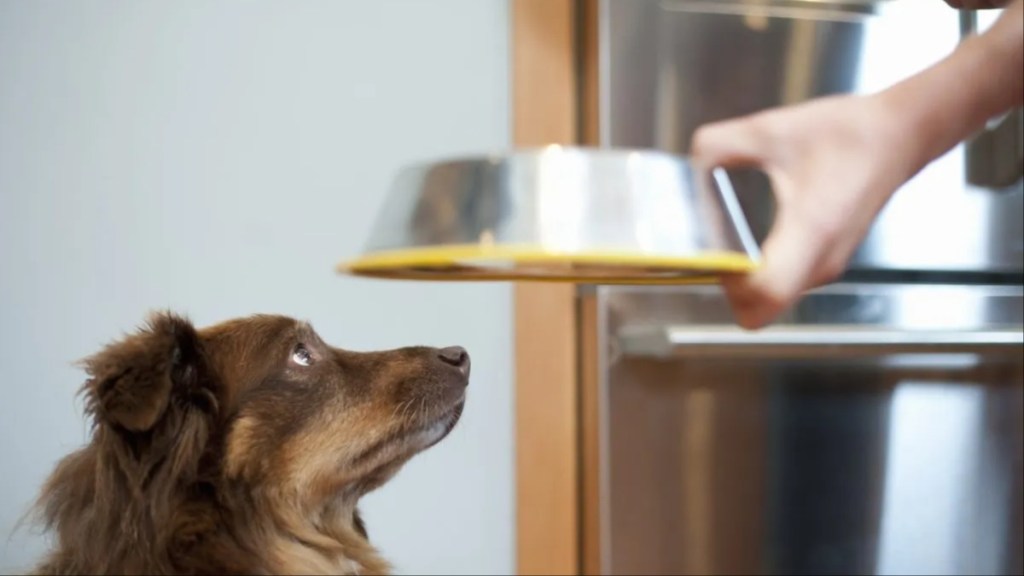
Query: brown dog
(242, 448)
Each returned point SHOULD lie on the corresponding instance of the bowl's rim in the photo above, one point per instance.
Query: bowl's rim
(456, 263)
(498, 157)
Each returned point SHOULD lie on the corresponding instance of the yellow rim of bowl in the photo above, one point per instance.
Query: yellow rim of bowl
(456, 263)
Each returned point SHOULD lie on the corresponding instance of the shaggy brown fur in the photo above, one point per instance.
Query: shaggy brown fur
(241, 449)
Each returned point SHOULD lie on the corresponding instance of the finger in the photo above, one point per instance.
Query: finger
(732, 143)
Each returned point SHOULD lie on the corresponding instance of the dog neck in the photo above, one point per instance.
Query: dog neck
(293, 539)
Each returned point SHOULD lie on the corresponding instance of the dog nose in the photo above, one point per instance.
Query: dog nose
(455, 356)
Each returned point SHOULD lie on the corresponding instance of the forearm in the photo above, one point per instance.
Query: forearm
(947, 103)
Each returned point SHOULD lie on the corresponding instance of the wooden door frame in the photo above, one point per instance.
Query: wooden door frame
(554, 101)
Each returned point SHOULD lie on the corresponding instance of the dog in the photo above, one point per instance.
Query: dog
(240, 448)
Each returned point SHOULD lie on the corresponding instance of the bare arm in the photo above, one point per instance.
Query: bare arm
(951, 100)
(834, 162)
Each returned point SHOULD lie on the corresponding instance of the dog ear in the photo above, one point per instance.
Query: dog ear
(133, 381)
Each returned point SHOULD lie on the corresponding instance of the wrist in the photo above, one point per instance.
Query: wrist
(905, 141)
(948, 102)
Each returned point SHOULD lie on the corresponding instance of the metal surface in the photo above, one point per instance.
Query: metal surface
(874, 428)
(995, 156)
(667, 67)
(560, 213)
(779, 459)
(825, 341)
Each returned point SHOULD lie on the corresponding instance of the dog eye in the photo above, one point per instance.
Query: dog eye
(302, 357)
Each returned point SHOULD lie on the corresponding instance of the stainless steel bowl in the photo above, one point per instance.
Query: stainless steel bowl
(560, 214)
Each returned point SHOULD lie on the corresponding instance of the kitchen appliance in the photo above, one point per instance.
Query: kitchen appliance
(670, 66)
(877, 427)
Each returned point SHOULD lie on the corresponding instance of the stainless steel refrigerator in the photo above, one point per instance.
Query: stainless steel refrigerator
(876, 428)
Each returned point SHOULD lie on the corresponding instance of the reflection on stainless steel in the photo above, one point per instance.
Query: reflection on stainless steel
(565, 199)
(995, 156)
(698, 341)
(899, 458)
(874, 428)
(616, 207)
(670, 66)
(842, 320)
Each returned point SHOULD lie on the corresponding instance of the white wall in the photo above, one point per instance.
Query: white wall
(219, 159)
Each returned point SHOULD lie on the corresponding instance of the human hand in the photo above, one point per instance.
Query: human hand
(833, 163)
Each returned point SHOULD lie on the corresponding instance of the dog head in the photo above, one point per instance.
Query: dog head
(264, 403)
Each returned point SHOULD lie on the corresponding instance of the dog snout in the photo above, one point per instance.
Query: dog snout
(455, 356)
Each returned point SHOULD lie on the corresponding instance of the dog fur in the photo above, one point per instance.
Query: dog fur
(242, 448)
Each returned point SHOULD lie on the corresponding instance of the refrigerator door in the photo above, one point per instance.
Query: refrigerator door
(669, 66)
(875, 430)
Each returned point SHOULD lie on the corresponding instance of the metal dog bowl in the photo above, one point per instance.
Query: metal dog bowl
(560, 214)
